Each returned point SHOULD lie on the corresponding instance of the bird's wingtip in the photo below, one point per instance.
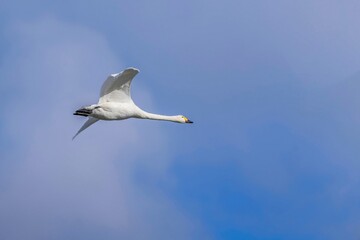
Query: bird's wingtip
(75, 136)
(126, 69)
(133, 68)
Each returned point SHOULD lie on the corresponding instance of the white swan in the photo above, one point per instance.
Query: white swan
(115, 103)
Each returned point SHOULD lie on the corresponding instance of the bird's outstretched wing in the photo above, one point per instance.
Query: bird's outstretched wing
(116, 88)
(87, 124)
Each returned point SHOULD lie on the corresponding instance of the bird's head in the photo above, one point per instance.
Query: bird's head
(183, 119)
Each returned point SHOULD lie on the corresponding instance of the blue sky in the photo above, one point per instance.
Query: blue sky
(272, 87)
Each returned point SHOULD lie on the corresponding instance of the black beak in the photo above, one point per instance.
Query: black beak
(188, 121)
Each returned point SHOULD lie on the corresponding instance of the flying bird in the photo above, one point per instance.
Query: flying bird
(115, 103)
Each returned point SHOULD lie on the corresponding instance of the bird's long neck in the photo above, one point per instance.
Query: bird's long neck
(152, 116)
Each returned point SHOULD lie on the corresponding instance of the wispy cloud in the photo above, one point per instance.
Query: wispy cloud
(59, 186)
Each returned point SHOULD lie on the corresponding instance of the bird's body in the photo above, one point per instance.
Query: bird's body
(114, 111)
(115, 103)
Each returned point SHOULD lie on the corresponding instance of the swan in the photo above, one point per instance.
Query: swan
(115, 103)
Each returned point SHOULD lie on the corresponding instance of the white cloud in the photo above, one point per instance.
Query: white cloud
(57, 185)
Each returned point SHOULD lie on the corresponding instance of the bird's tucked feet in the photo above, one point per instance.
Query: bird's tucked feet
(83, 112)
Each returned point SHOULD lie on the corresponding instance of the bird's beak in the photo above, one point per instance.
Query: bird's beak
(188, 121)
